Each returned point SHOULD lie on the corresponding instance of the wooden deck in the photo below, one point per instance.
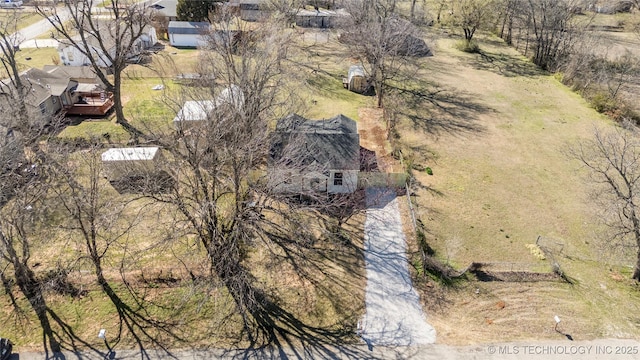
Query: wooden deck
(91, 105)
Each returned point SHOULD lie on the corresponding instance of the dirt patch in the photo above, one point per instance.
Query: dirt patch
(514, 276)
(373, 137)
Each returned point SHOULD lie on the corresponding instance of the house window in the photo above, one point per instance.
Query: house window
(337, 179)
(70, 55)
(43, 108)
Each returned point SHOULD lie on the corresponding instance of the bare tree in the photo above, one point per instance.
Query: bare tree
(507, 16)
(381, 39)
(613, 161)
(441, 5)
(19, 220)
(99, 218)
(23, 187)
(214, 159)
(14, 91)
(550, 22)
(472, 15)
(109, 42)
(221, 191)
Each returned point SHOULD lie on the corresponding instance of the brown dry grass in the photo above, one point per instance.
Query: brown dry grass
(500, 180)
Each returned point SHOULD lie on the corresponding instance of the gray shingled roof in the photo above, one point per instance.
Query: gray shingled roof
(332, 144)
(41, 85)
(72, 72)
(188, 27)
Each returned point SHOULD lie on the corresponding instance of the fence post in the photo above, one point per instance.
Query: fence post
(413, 215)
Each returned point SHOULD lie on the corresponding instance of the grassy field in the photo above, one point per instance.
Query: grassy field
(493, 130)
(36, 58)
(500, 180)
(329, 296)
(25, 18)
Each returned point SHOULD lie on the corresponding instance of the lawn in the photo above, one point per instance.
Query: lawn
(500, 179)
(330, 295)
(493, 129)
(25, 18)
(36, 57)
(144, 107)
(153, 255)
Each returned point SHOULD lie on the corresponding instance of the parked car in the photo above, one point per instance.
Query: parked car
(5, 349)
(10, 4)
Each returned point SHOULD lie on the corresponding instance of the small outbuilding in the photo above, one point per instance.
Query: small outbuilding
(195, 112)
(322, 19)
(356, 80)
(122, 162)
(188, 34)
(136, 169)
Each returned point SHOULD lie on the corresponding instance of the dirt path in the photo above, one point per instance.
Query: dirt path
(393, 315)
(373, 137)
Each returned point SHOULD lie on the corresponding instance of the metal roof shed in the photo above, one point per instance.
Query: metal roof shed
(187, 33)
(127, 162)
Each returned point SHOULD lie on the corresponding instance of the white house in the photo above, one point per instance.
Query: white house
(195, 112)
(188, 33)
(72, 56)
(315, 155)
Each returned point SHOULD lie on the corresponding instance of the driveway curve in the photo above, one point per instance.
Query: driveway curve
(393, 315)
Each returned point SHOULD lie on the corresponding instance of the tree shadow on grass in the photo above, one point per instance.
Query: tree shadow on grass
(505, 64)
(69, 340)
(434, 109)
(313, 257)
(136, 319)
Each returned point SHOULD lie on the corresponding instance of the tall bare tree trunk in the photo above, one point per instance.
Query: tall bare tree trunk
(30, 287)
(119, 108)
(636, 232)
(413, 9)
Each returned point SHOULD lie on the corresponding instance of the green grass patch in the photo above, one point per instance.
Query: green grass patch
(24, 18)
(106, 130)
(147, 108)
(36, 58)
(471, 47)
(327, 98)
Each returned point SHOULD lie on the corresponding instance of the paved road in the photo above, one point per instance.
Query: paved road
(41, 27)
(602, 349)
(44, 27)
(394, 316)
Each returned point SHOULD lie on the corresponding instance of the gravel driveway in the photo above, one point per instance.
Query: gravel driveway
(393, 312)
